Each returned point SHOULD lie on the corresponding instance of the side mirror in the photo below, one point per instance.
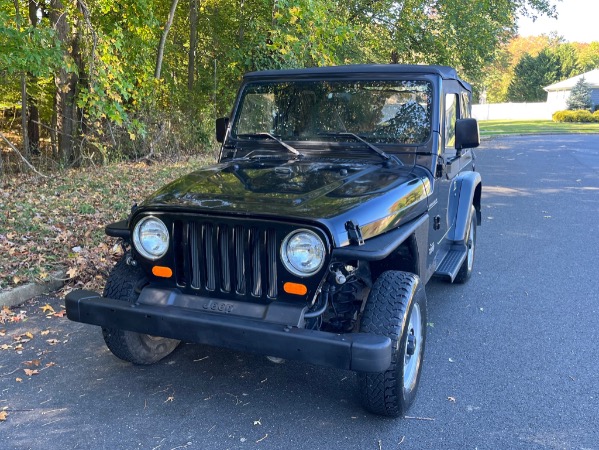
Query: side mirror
(221, 129)
(466, 134)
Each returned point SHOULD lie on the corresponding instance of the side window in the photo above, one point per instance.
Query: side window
(465, 107)
(451, 111)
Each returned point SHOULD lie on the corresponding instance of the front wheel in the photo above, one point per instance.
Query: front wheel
(137, 348)
(396, 308)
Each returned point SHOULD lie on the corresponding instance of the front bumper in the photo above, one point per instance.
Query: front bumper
(253, 328)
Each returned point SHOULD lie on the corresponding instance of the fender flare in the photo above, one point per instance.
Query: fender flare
(470, 190)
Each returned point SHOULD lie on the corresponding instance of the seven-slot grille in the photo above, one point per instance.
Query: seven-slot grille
(229, 258)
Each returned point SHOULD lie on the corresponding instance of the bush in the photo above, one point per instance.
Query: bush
(559, 116)
(581, 115)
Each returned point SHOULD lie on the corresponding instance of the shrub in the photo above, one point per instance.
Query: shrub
(581, 115)
(559, 116)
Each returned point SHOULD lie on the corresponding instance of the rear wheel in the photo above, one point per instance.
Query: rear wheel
(137, 348)
(396, 308)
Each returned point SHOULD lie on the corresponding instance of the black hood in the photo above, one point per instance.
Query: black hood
(325, 191)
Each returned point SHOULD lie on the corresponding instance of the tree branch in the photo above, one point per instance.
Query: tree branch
(21, 156)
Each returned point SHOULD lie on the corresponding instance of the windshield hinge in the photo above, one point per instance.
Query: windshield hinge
(354, 233)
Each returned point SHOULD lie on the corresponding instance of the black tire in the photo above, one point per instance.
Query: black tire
(130, 346)
(465, 271)
(392, 300)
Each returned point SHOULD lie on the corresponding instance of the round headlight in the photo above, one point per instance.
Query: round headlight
(302, 253)
(150, 238)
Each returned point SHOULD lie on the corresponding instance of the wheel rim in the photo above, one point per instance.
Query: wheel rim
(413, 349)
(471, 237)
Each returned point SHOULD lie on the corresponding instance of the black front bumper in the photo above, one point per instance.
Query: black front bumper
(249, 332)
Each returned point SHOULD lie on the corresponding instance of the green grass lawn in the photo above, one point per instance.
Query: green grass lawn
(500, 127)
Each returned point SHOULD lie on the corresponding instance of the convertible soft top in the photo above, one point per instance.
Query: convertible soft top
(445, 72)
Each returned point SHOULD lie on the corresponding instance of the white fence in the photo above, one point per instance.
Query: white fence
(514, 111)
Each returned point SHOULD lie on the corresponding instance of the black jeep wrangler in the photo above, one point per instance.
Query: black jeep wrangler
(339, 192)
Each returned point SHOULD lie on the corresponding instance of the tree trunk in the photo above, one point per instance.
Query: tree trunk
(66, 85)
(33, 128)
(167, 28)
(23, 92)
(193, 42)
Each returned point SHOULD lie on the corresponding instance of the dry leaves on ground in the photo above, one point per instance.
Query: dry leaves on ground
(58, 223)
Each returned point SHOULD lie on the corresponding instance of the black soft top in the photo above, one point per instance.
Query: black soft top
(445, 72)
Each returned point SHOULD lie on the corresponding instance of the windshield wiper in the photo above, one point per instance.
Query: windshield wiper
(373, 147)
(274, 138)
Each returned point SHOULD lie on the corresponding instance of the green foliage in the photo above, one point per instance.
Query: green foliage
(531, 74)
(569, 59)
(580, 96)
(578, 116)
(28, 49)
(123, 112)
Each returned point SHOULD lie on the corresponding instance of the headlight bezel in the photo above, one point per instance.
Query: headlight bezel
(284, 254)
(137, 242)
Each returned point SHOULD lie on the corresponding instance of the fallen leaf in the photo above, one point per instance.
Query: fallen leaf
(60, 313)
(47, 308)
(45, 332)
(18, 380)
(72, 272)
(29, 335)
(52, 341)
(34, 362)
(3, 416)
(30, 372)
(50, 364)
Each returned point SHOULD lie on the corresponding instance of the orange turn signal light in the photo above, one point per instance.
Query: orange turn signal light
(163, 272)
(295, 288)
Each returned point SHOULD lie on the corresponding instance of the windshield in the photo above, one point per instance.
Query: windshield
(386, 112)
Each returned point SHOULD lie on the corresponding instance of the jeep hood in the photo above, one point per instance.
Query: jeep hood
(330, 192)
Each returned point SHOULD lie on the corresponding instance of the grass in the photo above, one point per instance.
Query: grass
(57, 223)
(506, 127)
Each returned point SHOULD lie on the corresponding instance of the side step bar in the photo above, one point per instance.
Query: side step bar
(451, 263)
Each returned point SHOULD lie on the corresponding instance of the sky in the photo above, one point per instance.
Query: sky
(577, 21)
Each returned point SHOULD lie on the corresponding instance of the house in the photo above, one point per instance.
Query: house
(558, 93)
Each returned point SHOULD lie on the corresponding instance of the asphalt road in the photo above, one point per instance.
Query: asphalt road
(512, 358)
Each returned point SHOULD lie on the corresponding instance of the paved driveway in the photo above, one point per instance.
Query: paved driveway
(512, 357)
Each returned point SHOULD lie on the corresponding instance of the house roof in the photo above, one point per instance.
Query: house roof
(592, 78)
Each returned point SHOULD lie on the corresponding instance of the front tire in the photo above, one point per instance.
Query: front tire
(138, 348)
(396, 308)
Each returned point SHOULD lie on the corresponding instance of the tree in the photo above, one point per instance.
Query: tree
(580, 96)
(167, 27)
(66, 79)
(531, 75)
(120, 78)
